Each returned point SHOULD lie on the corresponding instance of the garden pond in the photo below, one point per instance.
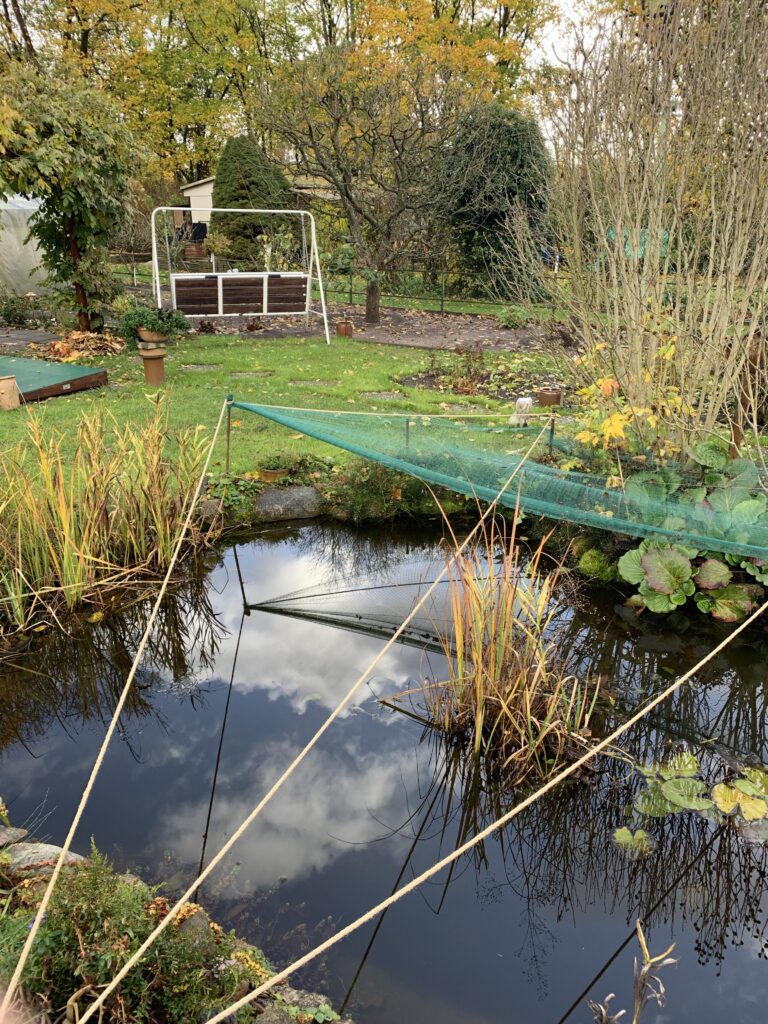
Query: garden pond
(536, 922)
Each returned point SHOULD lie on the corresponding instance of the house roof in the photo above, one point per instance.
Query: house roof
(196, 184)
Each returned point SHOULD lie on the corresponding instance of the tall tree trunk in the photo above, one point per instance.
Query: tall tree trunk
(373, 302)
(83, 313)
(21, 21)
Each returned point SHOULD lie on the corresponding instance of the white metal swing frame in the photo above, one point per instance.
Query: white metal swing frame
(310, 274)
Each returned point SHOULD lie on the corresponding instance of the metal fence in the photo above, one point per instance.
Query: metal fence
(434, 290)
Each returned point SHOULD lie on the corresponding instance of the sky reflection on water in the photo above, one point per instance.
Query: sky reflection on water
(520, 930)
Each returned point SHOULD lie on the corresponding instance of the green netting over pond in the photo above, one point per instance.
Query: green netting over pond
(717, 505)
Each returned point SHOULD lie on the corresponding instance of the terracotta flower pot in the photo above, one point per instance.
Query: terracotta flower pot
(344, 328)
(151, 337)
(549, 396)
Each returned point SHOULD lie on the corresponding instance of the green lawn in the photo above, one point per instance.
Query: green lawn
(298, 372)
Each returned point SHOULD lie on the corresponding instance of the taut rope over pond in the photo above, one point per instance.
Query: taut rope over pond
(484, 834)
(171, 915)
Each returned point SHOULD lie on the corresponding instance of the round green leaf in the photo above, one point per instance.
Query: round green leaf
(712, 575)
(666, 569)
(681, 764)
(630, 568)
(686, 793)
(652, 802)
(635, 844)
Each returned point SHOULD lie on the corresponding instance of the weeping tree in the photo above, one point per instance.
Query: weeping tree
(246, 177)
(495, 179)
(661, 208)
(64, 143)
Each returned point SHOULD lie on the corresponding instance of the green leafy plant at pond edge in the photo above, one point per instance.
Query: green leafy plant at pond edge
(95, 920)
(668, 574)
(307, 1014)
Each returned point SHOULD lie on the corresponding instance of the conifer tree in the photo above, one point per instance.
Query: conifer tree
(247, 177)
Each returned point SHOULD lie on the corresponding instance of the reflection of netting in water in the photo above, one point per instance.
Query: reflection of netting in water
(376, 606)
(678, 504)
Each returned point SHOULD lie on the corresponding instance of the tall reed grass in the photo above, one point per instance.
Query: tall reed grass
(73, 525)
(507, 695)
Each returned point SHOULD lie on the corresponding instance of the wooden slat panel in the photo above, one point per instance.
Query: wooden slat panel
(198, 308)
(286, 307)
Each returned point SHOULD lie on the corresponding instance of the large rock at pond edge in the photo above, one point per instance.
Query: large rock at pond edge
(9, 835)
(37, 858)
(275, 504)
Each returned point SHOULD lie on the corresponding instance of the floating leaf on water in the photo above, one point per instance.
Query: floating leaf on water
(726, 797)
(747, 787)
(680, 764)
(653, 803)
(752, 808)
(758, 778)
(686, 793)
(635, 844)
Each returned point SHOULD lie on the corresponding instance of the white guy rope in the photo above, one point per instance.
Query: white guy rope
(16, 977)
(166, 921)
(486, 832)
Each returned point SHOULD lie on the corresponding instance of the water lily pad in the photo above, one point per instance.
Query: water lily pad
(758, 778)
(682, 764)
(746, 787)
(635, 844)
(653, 803)
(666, 569)
(752, 808)
(712, 575)
(686, 793)
(726, 797)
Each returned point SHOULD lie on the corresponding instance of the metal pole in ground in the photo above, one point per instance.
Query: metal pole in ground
(551, 433)
(229, 433)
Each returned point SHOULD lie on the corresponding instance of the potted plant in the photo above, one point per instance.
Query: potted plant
(149, 329)
(143, 325)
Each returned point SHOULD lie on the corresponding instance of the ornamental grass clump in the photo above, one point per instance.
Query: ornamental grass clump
(75, 525)
(508, 695)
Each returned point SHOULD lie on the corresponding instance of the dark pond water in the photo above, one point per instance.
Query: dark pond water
(539, 920)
